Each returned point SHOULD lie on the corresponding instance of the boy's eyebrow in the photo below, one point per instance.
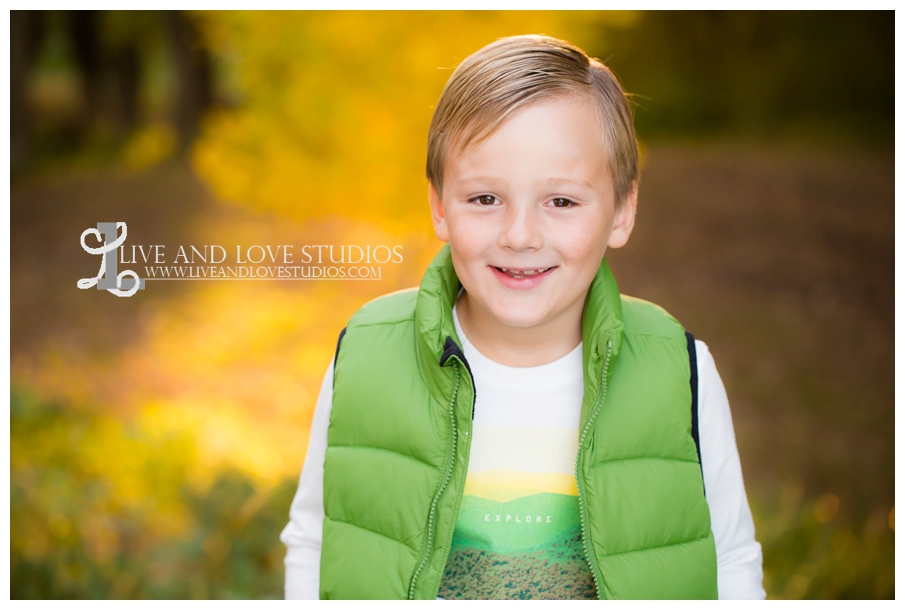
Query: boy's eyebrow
(481, 180)
(559, 181)
(547, 181)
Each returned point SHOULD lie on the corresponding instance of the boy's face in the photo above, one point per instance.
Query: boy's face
(529, 213)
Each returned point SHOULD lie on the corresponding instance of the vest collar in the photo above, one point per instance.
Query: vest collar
(601, 321)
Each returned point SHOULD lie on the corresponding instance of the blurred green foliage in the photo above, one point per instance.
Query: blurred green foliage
(811, 552)
(87, 528)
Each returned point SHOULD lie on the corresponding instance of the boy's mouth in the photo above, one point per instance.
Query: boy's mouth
(523, 273)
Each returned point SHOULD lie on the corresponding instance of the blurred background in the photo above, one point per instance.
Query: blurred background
(156, 441)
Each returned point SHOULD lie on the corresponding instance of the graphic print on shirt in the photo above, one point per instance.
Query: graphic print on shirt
(518, 535)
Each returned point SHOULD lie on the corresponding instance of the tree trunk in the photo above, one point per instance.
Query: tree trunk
(194, 86)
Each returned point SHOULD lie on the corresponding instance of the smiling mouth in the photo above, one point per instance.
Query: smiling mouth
(523, 273)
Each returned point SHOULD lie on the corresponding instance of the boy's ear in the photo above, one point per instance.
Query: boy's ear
(624, 221)
(438, 216)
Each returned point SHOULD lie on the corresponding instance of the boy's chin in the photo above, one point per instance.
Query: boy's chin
(514, 318)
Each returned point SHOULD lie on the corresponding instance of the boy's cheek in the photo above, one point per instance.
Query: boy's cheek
(468, 239)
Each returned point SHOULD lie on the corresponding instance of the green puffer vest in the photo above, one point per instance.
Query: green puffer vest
(400, 434)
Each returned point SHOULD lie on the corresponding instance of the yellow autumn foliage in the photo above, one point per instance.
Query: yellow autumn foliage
(334, 107)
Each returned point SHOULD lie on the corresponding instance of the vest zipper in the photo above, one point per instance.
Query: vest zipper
(450, 462)
(582, 507)
(461, 489)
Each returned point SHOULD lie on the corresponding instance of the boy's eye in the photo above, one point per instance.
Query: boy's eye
(562, 202)
(484, 199)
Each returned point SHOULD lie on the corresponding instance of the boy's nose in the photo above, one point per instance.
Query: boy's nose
(522, 229)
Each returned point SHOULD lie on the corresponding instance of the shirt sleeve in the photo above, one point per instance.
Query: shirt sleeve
(739, 557)
(303, 534)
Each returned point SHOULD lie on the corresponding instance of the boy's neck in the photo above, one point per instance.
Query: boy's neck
(515, 346)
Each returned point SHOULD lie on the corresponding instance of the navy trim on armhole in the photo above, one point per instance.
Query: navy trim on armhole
(693, 365)
(336, 356)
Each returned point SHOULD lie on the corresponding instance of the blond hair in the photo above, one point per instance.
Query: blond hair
(505, 75)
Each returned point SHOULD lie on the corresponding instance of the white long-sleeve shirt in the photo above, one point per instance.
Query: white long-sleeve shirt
(739, 558)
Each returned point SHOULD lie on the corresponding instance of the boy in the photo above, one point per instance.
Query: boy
(516, 428)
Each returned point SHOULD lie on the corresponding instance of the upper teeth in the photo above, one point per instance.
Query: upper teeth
(525, 272)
